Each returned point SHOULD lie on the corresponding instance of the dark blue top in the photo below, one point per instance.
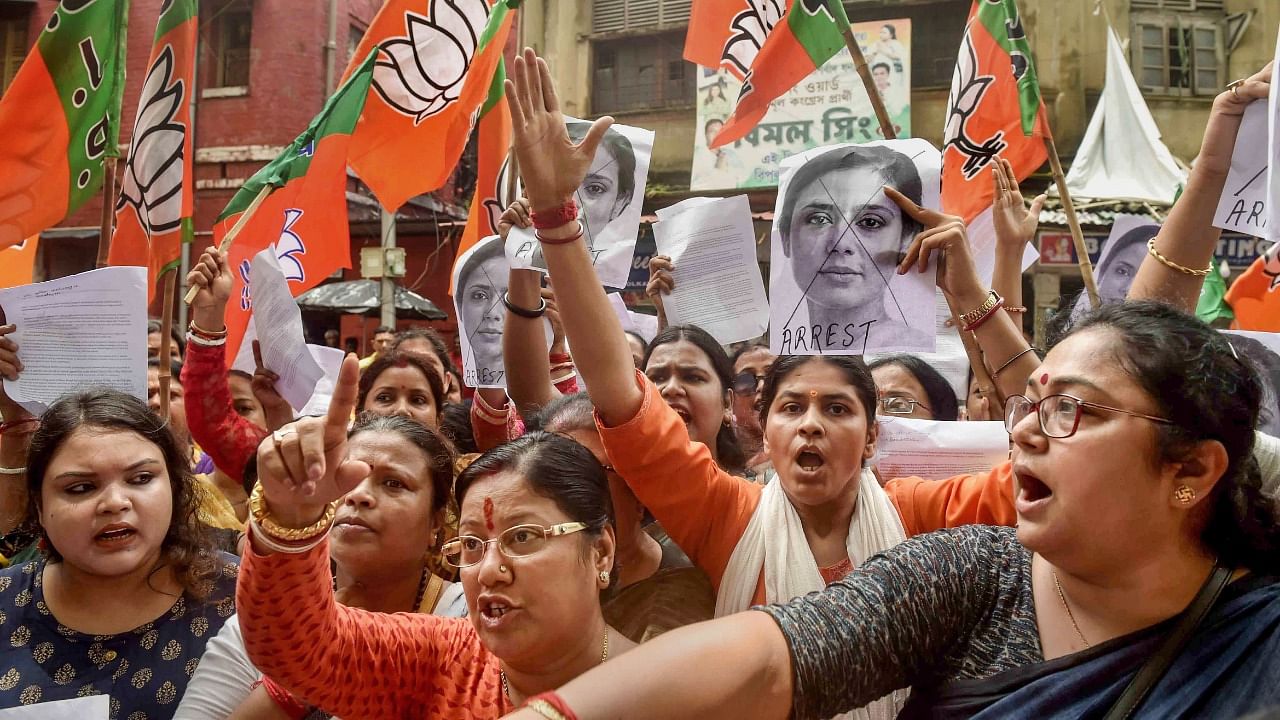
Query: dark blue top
(144, 670)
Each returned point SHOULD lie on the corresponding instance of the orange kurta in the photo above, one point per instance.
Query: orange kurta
(706, 510)
(354, 663)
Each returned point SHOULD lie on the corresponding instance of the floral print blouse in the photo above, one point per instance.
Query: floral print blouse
(144, 670)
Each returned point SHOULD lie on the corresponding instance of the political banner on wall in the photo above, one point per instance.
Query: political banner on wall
(828, 107)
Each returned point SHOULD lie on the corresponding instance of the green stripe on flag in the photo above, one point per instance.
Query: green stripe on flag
(496, 91)
(179, 12)
(817, 25)
(1004, 25)
(84, 51)
(496, 15)
(338, 117)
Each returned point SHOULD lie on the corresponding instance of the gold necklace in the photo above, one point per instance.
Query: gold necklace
(506, 689)
(1067, 607)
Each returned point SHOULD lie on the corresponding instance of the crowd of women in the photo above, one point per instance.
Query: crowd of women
(659, 529)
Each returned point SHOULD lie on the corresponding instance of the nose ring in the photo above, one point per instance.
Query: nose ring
(502, 568)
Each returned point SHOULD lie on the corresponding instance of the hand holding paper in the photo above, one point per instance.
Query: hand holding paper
(278, 323)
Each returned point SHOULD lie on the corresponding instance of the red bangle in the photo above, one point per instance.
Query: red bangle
(556, 358)
(556, 216)
(12, 424)
(989, 314)
(559, 241)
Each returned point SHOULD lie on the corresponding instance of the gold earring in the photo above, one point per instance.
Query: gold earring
(604, 577)
(1184, 495)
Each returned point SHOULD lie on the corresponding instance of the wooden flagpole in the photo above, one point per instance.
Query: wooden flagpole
(235, 232)
(1069, 209)
(166, 339)
(971, 349)
(108, 209)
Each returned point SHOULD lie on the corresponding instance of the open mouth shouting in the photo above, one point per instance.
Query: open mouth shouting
(115, 535)
(495, 611)
(810, 459)
(1033, 494)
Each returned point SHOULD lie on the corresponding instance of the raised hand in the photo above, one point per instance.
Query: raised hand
(1015, 224)
(1255, 87)
(946, 235)
(276, 411)
(213, 278)
(660, 283)
(553, 317)
(516, 215)
(551, 166)
(303, 466)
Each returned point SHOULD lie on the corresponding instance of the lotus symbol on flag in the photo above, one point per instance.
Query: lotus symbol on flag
(152, 181)
(967, 90)
(290, 246)
(750, 28)
(1271, 265)
(421, 73)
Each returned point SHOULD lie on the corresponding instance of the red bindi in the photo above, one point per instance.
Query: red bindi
(488, 513)
(1044, 379)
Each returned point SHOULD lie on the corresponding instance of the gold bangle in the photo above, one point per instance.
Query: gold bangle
(1151, 248)
(993, 299)
(1014, 309)
(262, 516)
(545, 709)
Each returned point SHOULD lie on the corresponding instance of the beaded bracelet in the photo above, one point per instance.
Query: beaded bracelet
(1014, 309)
(1151, 249)
(555, 217)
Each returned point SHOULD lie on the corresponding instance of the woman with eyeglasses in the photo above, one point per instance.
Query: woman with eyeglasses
(1141, 579)
(751, 364)
(909, 387)
(535, 548)
(823, 514)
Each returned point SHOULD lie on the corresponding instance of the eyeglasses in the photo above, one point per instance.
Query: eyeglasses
(1059, 415)
(514, 542)
(898, 405)
(745, 383)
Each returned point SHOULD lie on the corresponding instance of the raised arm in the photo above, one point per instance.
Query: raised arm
(660, 283)
(215, 425)
(293, 629)
(1188, 236)
(1001, 340)
(1015, 225)
(819, 655)
(552, 167)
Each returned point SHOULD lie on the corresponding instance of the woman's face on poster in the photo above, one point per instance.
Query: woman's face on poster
(598, 193)
(482, 309)
(1115, 279)
(845, 239)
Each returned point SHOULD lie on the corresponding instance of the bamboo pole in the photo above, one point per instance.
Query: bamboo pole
(234, 232)
(1077, 236)
(166, 340)
(108, 209)
(971, 349)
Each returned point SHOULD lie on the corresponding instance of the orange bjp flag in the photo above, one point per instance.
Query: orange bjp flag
(18, 262)
(153, 214)
(1255, 295)
(493, 144)
(433, 72)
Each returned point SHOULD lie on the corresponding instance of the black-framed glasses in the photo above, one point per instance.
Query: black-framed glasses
(899, 405)
(1059, 415)
(745, 383)
(514, 542)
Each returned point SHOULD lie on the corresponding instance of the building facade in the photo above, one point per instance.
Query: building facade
(264, 69)
(624, 58)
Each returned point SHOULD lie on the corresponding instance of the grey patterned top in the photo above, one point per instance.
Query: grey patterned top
(943, 606)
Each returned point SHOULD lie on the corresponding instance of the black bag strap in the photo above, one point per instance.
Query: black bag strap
(1156, 666)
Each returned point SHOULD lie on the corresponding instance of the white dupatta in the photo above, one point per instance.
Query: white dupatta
(774, 544)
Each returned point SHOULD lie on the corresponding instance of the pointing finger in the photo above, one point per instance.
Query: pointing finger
(343, 402)
(924, 216)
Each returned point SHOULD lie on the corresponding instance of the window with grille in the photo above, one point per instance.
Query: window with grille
(641, 73)
(611, 16)
(13, 44)
(1178, 54)
(230, 32)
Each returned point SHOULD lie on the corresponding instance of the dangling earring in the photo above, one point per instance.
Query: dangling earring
(1184, 495)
